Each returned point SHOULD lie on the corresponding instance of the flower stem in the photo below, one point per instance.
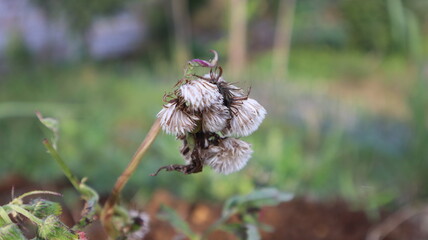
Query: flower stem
(65, 169)
(34, 193)
(108, 209)
(87, 193)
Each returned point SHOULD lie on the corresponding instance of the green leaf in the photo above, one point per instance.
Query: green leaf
(42, 208)
(170, 215)
(11, 232)
(4, 217)
(256, 199)
(53, 125)
(53, 228)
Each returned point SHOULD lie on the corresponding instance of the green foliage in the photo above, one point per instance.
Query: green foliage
(246, 207)
(43, 208)
(11, 232)
(53, 228)
(368, 24)
(42, 213)
(17, 53)
(256, 199)
(168, 214)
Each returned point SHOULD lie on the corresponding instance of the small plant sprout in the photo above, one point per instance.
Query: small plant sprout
(208, 115)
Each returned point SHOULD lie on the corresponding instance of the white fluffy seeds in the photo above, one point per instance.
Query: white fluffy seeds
(200, 94)
(214, 119)
(175, 121)
(200, 111)
(229, 156)
(246, 118)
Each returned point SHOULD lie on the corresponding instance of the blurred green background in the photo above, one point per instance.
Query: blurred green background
(344, 83)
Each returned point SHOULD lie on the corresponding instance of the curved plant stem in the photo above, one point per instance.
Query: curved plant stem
(25, 213)
(65, 169)
(34, 193)
(87, 193)
(108, 209)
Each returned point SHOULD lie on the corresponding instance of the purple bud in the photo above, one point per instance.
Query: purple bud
(203, 63)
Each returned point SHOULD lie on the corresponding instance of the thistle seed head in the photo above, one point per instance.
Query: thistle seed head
(229, 156)
(200, 94)
(247, 116)
(205, 112)
(214, 119)
(176, 121)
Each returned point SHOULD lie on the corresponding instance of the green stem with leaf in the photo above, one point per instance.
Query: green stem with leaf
(88, 194)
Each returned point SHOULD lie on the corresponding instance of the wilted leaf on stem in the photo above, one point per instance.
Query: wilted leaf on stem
(53, 125)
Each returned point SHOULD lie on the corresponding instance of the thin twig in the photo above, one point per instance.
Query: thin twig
(108, 209)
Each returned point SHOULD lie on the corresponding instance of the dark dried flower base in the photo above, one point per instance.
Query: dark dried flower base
(186, 169)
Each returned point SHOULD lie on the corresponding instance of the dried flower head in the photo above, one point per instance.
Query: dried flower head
(176, 121)
(215, 118)
(204, 112)
(229, 156)
(247, 117)
(200, 94)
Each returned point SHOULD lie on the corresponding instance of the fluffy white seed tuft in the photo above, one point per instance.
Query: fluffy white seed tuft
(247, 115)
(176, 122)
(200, 94)
(229, 156)
(236, 91)
(214, 119)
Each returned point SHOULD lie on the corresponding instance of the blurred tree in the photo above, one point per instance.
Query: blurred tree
(418, 7)
(405, 31)
(367, 23)
(281, 48)
(237, 37)
(182, 31)
(17, 53)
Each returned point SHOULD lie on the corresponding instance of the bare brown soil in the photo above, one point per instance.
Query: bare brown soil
(299, 219)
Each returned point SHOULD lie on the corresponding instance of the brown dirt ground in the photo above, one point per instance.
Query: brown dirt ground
(299, 219)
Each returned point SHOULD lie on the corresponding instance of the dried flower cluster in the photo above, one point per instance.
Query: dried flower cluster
(208, 115)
